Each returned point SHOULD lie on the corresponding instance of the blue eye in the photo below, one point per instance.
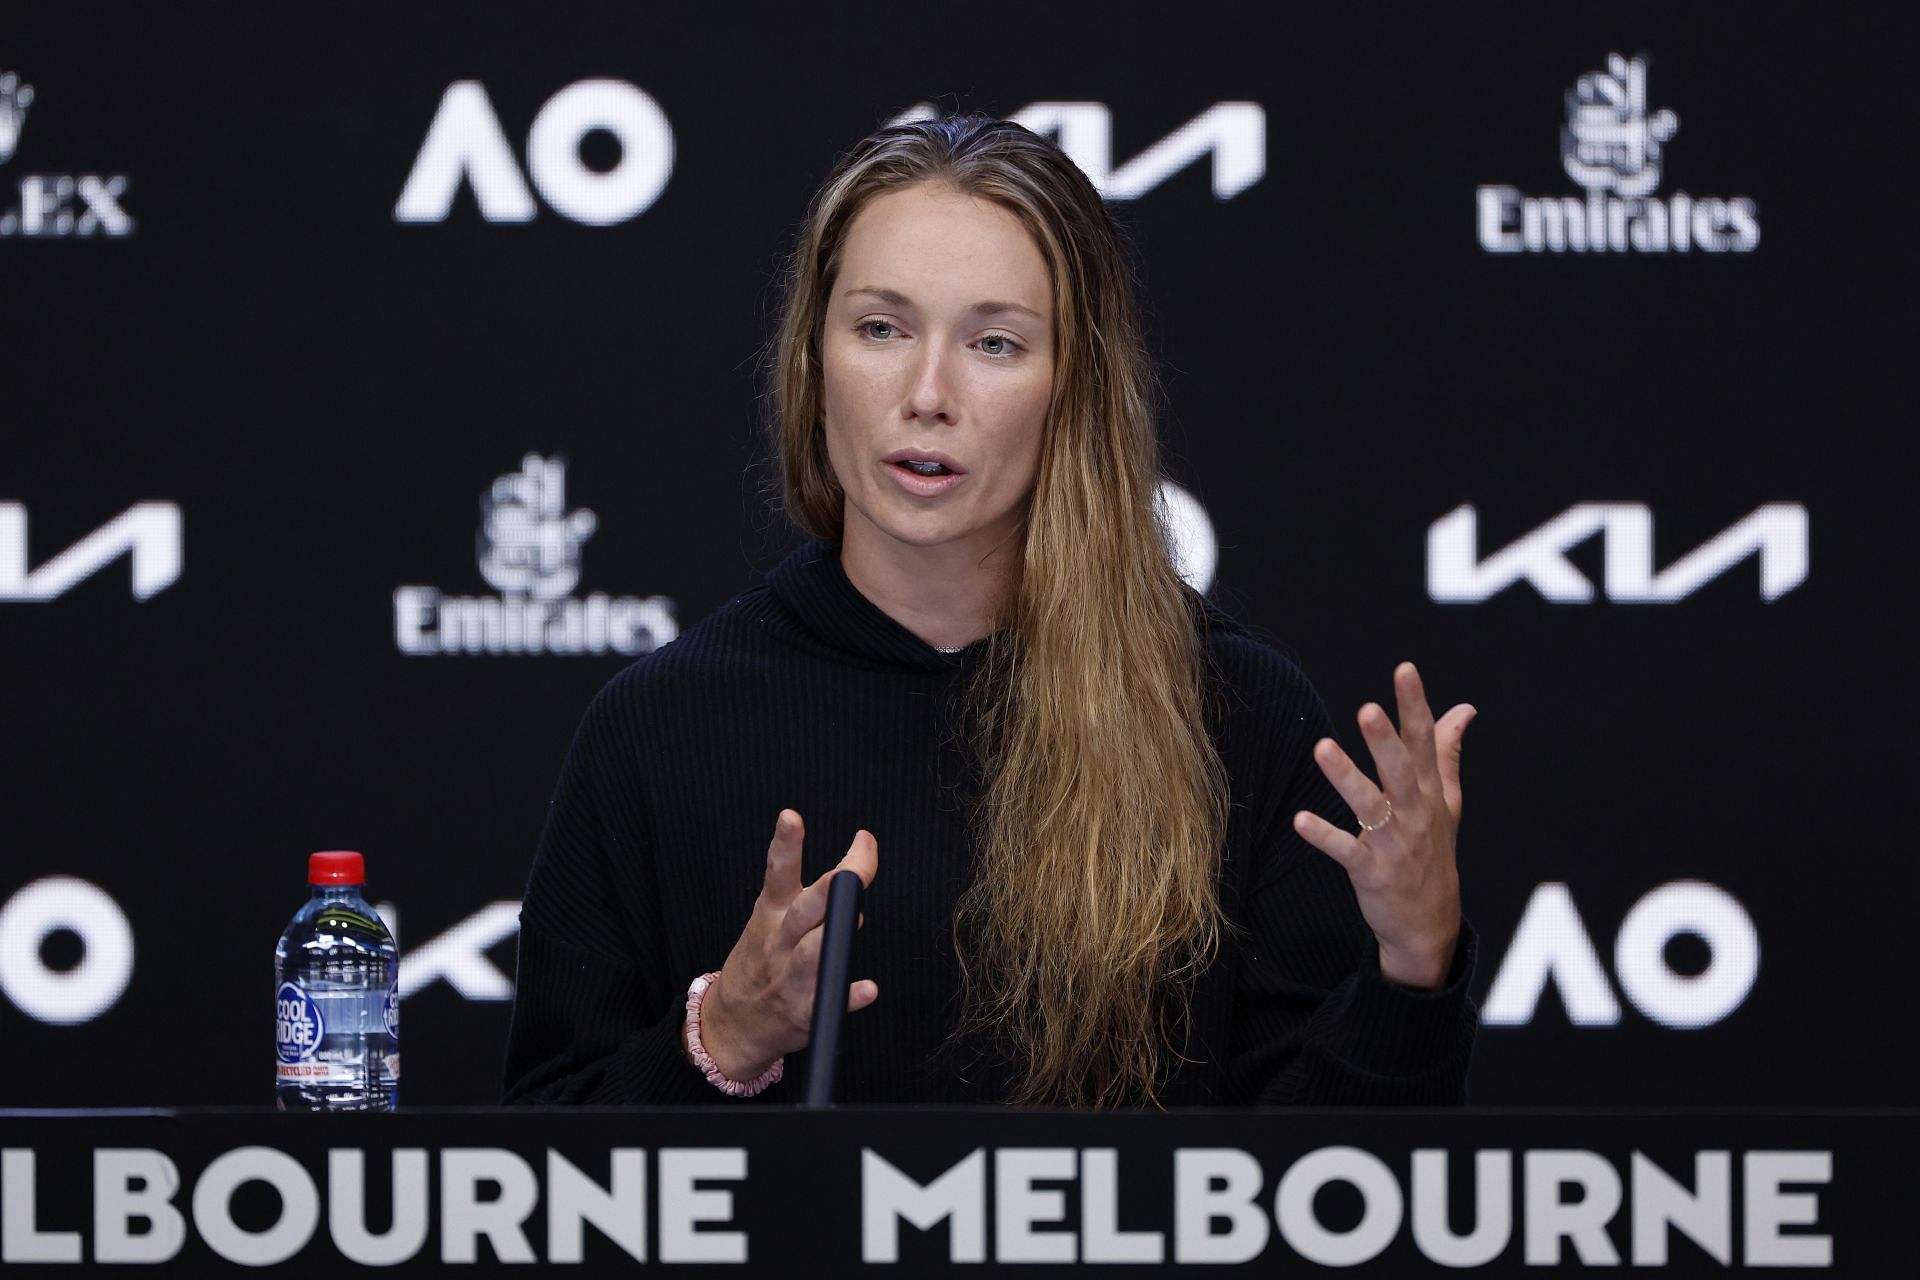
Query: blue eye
(1007, 345)
(867, 327)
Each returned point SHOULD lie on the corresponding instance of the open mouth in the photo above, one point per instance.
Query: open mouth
(932, 471)
(927, 464)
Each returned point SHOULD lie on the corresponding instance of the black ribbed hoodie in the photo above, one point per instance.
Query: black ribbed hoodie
(802, 694)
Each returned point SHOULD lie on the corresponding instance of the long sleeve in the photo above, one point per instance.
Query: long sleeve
(596, 1016)
(804, 695)
(1315, 1022)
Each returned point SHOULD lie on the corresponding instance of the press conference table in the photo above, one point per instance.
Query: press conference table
(759, 1191)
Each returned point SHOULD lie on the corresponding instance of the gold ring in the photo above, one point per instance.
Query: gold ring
(1385, 818)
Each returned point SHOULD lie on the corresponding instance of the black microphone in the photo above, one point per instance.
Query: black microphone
(830, 991)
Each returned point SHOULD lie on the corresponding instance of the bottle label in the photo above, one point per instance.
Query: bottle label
(392, 1061)
(298, 1028)
(316, 1072)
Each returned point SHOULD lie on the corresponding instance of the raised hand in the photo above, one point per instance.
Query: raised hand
(762, 1006)
(1401, 862)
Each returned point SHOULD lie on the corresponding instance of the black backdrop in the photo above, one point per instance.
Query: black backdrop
(219, 311)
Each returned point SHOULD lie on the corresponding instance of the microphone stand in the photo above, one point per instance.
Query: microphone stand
(830, 991)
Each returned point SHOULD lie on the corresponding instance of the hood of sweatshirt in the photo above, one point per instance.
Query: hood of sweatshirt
(822, 602)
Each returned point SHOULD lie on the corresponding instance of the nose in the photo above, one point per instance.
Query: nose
(930, 397)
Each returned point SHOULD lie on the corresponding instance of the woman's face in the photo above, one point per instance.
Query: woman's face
(937, 362)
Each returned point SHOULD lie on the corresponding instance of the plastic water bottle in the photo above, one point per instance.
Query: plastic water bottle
(336, 997)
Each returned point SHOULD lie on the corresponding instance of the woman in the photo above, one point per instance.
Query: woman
(1100, 799)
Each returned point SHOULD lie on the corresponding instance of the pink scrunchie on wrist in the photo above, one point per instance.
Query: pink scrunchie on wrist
(704, 1060)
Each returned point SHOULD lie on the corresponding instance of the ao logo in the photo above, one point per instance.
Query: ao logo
(1551, 944)
(1189, 534)
(64, 904)
(465, 143)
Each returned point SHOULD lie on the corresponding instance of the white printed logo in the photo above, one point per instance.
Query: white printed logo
(458, 957)
(1189, 535)
(84, 991)
(527, 541)
(529, 551)
(1232, 134)
(1609, 142)
(15, 98)
(1776, 533)
(1551, 945)
(465, 143)
(1612, 145)
(53, 206)
(147, 533)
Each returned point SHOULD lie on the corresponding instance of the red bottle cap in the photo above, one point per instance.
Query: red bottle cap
(336, 868)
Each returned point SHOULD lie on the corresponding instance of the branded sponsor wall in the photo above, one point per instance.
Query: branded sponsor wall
(372, 396)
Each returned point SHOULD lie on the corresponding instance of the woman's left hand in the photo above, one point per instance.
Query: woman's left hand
(1401, 862)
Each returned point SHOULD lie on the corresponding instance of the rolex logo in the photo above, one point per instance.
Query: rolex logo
(40, 205)
(15, 98)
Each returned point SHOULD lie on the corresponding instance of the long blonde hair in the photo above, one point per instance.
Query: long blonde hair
(1095, 903)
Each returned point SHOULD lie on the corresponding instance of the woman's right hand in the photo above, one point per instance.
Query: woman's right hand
(761, 1008)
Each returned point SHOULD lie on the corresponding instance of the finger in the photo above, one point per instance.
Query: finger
(1339, 845)
(1354, 786)
(783, 859)
(805, 914)
(1416, 725)
(809, 907)
(862, 857)
(861, 994)
(1448, 736)
(806, 954)
(1390, 760)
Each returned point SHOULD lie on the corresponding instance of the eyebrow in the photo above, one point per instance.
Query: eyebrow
(894, 298)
